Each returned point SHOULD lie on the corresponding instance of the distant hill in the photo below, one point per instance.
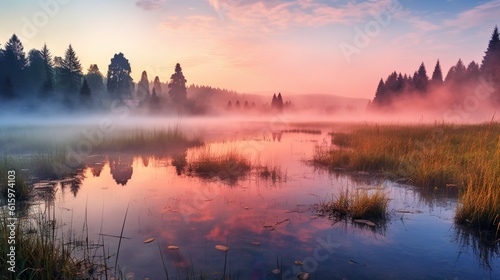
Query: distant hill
(320, 103)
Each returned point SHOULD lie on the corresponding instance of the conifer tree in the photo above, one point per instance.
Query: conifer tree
(71, 71)
(437, 75)
(119, 81)
(143, 87)
(177, 86)
(422, 80)
(48, 65)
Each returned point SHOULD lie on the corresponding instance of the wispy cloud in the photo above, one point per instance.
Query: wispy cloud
(486, 13)
(149, 5)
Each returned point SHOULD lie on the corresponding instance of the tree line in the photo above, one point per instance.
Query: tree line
(37, 76)
(459, 80)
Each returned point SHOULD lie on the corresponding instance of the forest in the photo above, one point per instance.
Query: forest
(38, 82)
(481, 80)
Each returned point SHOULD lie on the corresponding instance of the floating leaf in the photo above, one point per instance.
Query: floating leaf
(222, 248)
(298, 262)
(303, 275)
(256, 243)
(149, 240)
(171, 247)
(276, 271)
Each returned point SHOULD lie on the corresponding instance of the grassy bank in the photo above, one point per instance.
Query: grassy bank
(430, 156)
(38, 255)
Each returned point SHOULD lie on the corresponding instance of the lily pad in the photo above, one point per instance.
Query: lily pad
(298, 262)
(149, 240)
(222, 248)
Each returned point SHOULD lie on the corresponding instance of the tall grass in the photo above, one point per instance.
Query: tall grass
(358, 204)
(38, 254)
(225, 165)
(435, 156)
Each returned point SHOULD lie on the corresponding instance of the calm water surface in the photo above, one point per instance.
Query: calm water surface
(266, 223)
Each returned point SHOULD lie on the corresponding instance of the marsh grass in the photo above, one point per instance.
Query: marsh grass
(59, 140)
(38, 254)
(146, 141)
(357, 204)
(434, 157)
(225, 165)
(273, 173)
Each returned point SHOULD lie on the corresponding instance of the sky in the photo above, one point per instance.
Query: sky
(340, 47)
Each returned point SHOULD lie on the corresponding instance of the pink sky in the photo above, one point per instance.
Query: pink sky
(294, 46)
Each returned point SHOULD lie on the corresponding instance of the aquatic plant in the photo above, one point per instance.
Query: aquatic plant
(357, 204)
(434, 157)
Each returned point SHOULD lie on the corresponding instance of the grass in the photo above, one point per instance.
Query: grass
(437, 156)
(40, 140)
(359, 204)
(38, 254)
(226, 165)
(272, 172)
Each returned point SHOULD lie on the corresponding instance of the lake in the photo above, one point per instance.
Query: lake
(267, 217)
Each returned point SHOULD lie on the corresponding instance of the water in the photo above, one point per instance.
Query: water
(265, 223)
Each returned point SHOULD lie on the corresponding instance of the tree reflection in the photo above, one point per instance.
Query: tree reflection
(121, 168)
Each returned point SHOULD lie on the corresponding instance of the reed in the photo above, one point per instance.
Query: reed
(225, 165)
(437, 156)
(359, 204)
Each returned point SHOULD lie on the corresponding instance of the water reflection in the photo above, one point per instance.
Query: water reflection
(264, 224)
(484, 245)
(121, 168)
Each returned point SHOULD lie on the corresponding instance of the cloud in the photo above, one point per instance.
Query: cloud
(149, 5)
(480, 15)
(272, 15)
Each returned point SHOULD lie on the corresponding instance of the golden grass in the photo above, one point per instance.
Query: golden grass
(435, 156)
(360, 204)
(225, 165)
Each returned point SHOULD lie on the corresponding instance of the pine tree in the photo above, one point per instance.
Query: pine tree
(71, 71)
(48, 65)
(229, 105)
(119, 82)
(157, 86)
(380, 94)
(460, 72)
(14, 63)
(95, 79)
(437, 75)
(450, 77)
(177, 86)
(154, 101)
(473, 71)
(35, 72)
(279, 103)
(142, 92)
(490, 67)
(422, 80)
(274, 102)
